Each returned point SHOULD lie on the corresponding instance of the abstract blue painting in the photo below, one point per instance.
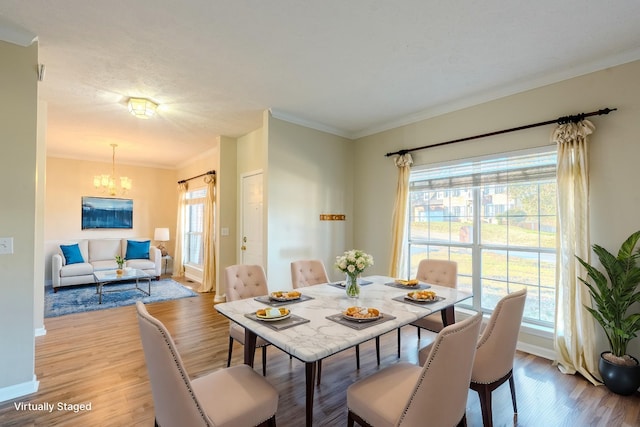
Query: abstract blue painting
(104, 212)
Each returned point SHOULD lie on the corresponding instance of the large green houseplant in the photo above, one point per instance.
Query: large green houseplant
(613, 293)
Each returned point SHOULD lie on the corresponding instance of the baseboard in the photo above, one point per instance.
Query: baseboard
(536, 350)
(39, 332)
(219, 298)
(18, 390)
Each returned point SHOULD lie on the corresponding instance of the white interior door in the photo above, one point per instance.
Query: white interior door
(251, 238)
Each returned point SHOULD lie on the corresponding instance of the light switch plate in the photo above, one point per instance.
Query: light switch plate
(224, 231)
(6, 245)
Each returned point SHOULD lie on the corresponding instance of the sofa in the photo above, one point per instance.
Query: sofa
(74, 265)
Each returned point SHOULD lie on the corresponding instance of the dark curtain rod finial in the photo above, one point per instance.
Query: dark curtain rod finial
(560, 120)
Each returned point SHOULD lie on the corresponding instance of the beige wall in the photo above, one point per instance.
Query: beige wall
(614, 153)
(226, 212)
(153, 193)
(20, 217)
(310, 173)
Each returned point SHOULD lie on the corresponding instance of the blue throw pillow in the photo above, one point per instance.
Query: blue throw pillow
(71, 254)
(137, 250)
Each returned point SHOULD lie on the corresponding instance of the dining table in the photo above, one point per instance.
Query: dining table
(316, 327)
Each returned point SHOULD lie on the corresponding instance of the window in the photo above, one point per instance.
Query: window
(496, 217)
(194, 226)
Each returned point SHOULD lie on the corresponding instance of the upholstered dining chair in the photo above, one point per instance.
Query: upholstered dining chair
(312, 272)
(408, 395)
(231, 397)
(437, 272)
(241, 282)
(493, 364)
(308, 272)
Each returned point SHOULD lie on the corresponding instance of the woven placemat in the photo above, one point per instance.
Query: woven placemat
(279, 325)
(408, 288)
(273, 303)
(339, 318)
(341, 285)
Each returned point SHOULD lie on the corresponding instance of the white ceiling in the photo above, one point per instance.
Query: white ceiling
(349, 67)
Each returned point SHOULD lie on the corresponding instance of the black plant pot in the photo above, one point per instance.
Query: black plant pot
(623, 380)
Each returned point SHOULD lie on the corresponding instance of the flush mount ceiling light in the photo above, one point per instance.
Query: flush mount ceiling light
(142, 108)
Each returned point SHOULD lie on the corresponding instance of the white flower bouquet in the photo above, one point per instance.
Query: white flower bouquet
(353, 262)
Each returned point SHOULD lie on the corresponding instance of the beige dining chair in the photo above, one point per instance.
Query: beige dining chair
(493, 364)
(241, 282)
(312, 272)
(437, 272)
(496, 348)
(408, 395)
(308, 272)
(231, 397)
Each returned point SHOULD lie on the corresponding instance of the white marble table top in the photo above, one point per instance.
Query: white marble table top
(321, 337)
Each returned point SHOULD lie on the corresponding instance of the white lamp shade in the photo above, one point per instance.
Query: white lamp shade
(161, 235)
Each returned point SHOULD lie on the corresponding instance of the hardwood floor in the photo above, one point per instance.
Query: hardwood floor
(96, 358)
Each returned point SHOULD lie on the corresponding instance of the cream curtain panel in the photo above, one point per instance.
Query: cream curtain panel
(208, 239)
(403, 162)
(574, 339)
(178, 268)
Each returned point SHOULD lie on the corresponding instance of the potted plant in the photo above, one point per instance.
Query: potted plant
(120, 262)
(613, 292)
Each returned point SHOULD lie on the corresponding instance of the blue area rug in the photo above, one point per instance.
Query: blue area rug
(76, 299)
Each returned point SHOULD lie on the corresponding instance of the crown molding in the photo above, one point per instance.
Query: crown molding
(504, 91)
(287, 117)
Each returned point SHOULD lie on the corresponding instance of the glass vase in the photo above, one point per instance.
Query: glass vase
(351, 286)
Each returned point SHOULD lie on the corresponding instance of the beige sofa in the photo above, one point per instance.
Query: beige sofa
(100, 254)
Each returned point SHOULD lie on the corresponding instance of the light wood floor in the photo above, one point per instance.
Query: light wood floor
(97, 358)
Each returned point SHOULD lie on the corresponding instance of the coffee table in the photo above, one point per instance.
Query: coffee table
(107, 277)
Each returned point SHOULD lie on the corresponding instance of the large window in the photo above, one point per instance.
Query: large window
(496, 217)
(194, 226)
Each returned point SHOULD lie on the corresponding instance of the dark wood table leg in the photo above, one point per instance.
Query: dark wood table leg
(448, 316)
(249, 346)
(310, 373)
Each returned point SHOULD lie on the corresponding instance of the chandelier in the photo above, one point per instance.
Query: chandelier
(107, 183)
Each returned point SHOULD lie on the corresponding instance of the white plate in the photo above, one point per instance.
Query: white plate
(273, 319)
(274, 298)
(426, 301)
(361, 319)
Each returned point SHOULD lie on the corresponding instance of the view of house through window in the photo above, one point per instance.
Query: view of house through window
(496, 217)
(194, 226)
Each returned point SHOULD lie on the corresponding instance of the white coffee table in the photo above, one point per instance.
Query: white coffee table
(108, 277)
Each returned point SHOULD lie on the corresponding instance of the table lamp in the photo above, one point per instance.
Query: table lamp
(161, 235)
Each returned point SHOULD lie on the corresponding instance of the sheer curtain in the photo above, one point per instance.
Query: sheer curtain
(178, 268)
(403, 162)
(574, 338)
(208, 238)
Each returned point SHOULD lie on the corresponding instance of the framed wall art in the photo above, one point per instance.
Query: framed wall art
(106, 212)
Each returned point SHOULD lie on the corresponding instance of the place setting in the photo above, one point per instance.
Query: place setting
(419, 298)
(280, 298)
(408, 284)
(342, 284)
(360, 317)
(276, 318)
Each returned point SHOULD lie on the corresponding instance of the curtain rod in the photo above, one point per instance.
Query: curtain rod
(560, 120)
(197, 176)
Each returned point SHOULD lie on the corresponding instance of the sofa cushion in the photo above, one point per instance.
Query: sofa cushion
(103, 249)
(104, 265)
(141, 264)
(71, 254)
(137, 249)
(78, 269)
